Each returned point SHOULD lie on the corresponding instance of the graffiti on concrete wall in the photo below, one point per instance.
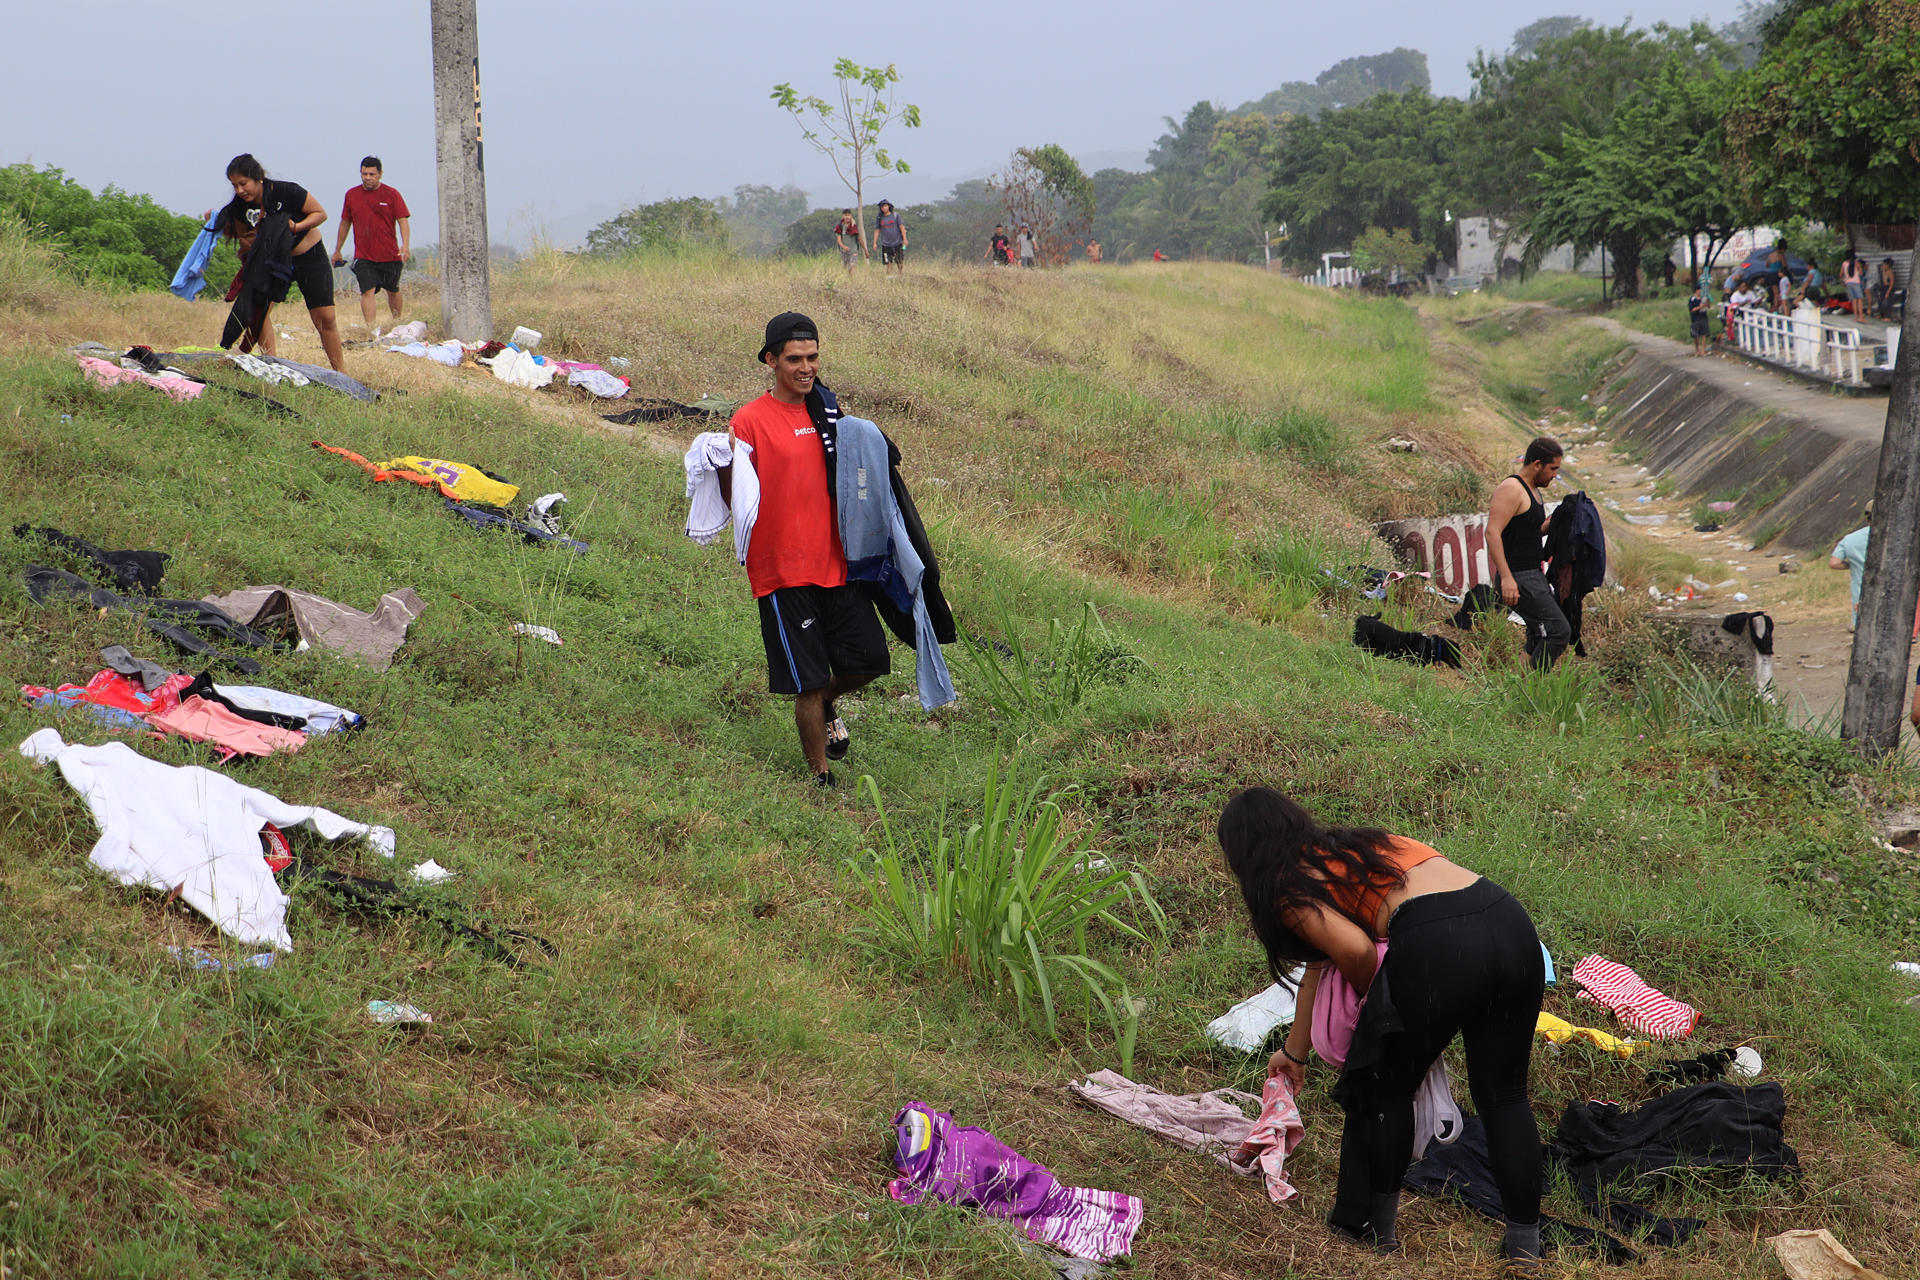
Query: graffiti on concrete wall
(1452, 548)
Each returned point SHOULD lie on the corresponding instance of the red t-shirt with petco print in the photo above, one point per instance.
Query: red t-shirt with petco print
(795, 542)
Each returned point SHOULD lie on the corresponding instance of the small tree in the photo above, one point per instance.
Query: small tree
(1377, 249)
(1045, 188)
(848, 131)
(667, 226)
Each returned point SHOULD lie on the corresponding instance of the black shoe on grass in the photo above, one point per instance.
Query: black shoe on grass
(839, 741)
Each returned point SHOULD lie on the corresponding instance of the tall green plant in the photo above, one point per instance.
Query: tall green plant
(1007, 904)
(1044, 685)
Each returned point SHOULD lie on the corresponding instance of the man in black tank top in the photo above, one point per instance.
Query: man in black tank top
(1516, 533)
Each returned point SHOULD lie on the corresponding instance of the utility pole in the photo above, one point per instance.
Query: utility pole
(1877, 675)
(466, 306)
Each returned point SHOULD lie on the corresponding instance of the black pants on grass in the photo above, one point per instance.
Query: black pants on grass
(1464, 963)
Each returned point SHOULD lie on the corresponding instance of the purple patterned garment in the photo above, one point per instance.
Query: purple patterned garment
(959, 1164)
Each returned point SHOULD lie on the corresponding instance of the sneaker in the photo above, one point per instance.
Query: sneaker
(839, 740)
(824, 781)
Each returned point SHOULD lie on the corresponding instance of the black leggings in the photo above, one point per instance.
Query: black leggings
(1466, 963)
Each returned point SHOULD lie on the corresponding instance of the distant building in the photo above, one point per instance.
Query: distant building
(1480, 253)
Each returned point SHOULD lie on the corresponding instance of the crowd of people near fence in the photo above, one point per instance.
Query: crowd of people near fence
(1777, 281)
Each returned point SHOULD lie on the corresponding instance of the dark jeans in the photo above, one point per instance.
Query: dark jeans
(1464, 963)
(1548, 632)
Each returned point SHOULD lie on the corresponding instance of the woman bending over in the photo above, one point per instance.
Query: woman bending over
(1462, 959)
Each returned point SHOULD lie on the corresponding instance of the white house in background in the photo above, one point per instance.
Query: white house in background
(1480, 254)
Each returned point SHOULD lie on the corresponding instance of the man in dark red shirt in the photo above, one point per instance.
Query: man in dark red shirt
(381, 229)
(822, 636)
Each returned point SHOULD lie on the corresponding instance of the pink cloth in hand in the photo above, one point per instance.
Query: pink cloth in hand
(1336, 1011)
(1275, 1134)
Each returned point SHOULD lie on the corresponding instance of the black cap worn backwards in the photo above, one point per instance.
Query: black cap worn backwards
(784, 328)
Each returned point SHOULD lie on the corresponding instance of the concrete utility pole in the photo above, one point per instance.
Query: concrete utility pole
(466, 305)
(1877, 676)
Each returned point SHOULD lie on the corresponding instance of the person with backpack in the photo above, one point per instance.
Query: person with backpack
(890, 234)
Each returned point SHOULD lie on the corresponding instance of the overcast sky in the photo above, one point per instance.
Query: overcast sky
(593, 105)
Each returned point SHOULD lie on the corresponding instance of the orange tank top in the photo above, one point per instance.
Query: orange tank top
(1362, 902)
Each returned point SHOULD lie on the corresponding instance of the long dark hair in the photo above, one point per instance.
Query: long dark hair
(247, 167)
(1274, 848)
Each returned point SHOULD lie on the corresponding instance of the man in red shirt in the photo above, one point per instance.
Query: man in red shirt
(822, 636)
(375, 213)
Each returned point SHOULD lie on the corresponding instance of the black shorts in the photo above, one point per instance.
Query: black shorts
(374, 276)
(313, 272)
(815, 633)
(892, 253)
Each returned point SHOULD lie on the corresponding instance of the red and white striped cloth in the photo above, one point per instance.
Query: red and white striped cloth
(1632, 1000)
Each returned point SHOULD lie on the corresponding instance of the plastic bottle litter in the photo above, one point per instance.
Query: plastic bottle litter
(389, 1013)
(200, 958)
(1740, 597)
(1907, 967)
(539, 633)
(1645, 497)
(619, 362)
(431, 872)
(1746, 1063)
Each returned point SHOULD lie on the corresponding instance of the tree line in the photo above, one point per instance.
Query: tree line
(1628, 138)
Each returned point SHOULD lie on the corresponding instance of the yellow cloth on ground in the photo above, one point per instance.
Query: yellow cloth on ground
(467, 483)
(1560, 1031)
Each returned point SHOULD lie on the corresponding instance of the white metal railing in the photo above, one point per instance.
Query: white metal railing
(1801, 340)
(1335, 278)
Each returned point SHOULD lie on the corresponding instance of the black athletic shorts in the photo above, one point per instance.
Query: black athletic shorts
(374, 276)
(815, 633)
(892, 253)
(313, 272)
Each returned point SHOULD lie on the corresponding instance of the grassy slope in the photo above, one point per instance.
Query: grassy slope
(700, 1084)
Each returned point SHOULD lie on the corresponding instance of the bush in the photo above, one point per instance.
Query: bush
(1006, 904)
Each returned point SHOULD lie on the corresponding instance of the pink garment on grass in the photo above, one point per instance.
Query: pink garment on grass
(107, 374)
(960, 1164)
(1275, 1134)
(1612, 984)
(1213, 1122)
(203, 721)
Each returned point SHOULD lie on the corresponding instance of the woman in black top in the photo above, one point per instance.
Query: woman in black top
(254, 218)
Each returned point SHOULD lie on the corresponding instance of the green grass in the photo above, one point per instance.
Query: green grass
(700, 1083)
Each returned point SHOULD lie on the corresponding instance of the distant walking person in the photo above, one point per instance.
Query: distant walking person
(1699, 318)
(1094, 253)
(382, 240)
(1028, 249)
(999, 252)
(1853, 274)
(276, 224)
(847, 238)
(1516, 543)
(891, 235)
